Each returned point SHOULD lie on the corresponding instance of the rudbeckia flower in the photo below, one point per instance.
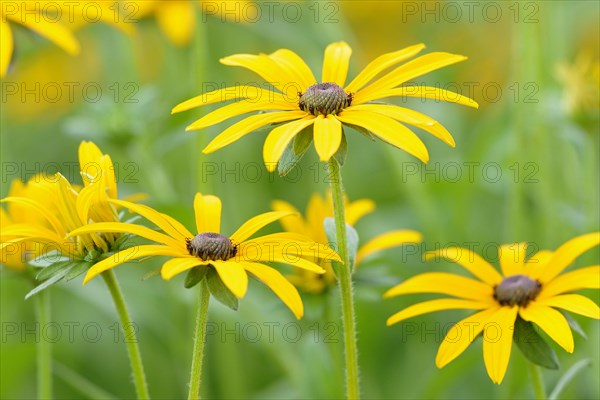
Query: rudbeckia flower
(233, 257)
(311, 226)
(299, 101)
(30, 15)
(531, 289)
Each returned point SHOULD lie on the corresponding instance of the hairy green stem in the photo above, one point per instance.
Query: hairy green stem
(199, 340)
(44, 349)
(344, 277)
(129, 329)
(537, 381)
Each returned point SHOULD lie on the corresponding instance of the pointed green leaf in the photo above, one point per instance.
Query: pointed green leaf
(342, 152)
(366, 133)
(533, 346)
(351, 238)
(294, 151)
(47, 283)
(574, 325)
(194, 276)
(77, 269)
(47, 259)
(219, 290)
(53, 269)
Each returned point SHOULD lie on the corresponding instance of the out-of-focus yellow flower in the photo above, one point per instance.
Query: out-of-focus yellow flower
(531, 289)
(301, 102)
(311, 225)
(581, 82)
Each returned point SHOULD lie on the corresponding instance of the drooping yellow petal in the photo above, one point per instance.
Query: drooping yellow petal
(386, 241)
(36, 207)
(436, 305)
(279, 138)
(53, 31)
(272, 102)
(163, 221)
(29, 232)
(176, 266)
(497, 342)
(388, 130)
(550, 321)
(422, 92)
(327, 136)
(461, 335)
(254, 224)
(445, 283)
(280, 246)
(566, 254)
(233, 276)
(279, 285)
(247, 125)
(381, 63)
(575, 303)
(208, 213)
(273, 252)
(130, 254)
(294, 221)
(177, 19)
(512, 258)
(412, 69)
(225, 94)
(135, 229)
(6, 47)
(582, 278)
(335, 64)
(297, 68)
(411, 117)
(357, 209)
(469, 260)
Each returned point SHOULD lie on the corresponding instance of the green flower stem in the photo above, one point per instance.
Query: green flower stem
(135, 358)
(200, 339)
(537, 381)
(344, 277)
(44, 350)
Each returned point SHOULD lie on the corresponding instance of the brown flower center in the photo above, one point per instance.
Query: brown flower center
(211, 246)
(516, 290)
(324, 98)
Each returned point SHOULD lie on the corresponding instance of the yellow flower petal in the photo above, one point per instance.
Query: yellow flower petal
(135, 229)
(357, 209)
(317, 210)
(53, 31)
(177, 20)
(512, 258)
(386, 241)
(298, 70)
(461, 335)
(388, 130)
(272, 252)
(219, 95)
(381, 63)
(574, 303)
(176, 266)
(444, 283)
(37, 207)
(254, 224)
(550, 321)
(497, 342)
(233, 276)
(327, 136)
(247, 125)
(262, 65)
(536, 261)
(422, 92)
(278, 139)
(30, 232)
(469, 260)
(6, 47)
(281, 246)
(279, 285)
(411, 117)
(566, 254)
(582, 278)
(208, 213)
(132, 253)
(412, 69)
(294, 221)
(435, 305)
(335, 64)
(273, 102)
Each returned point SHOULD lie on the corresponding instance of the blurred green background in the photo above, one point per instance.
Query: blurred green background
(525, 169)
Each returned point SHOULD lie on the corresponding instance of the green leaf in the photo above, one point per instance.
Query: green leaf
(53, 269)
(194, 276)
(342, 152)
(351, 236)
(219, 290)
(533, 346)
(366, 133)
(568, 377)
(47, 283)
(574, 325)
(294, 151)
(47, 259)
(77, 269)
